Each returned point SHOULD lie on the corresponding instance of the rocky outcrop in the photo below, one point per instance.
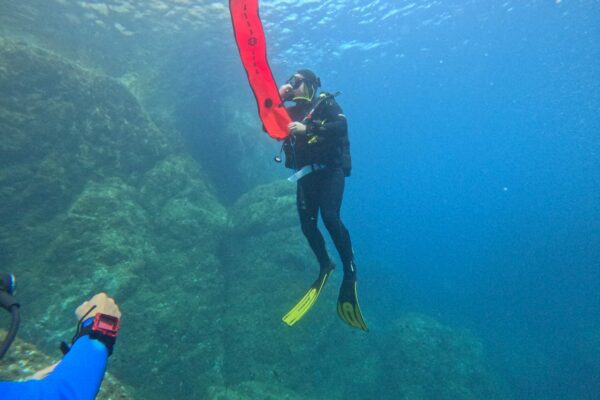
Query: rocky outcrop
(96, 198)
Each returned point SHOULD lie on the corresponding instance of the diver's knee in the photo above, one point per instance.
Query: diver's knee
(308, 225)
(332, 221)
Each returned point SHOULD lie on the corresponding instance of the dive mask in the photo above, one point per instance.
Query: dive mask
(295, 82)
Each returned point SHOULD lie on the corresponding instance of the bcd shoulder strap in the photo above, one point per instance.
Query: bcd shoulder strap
(323, 96)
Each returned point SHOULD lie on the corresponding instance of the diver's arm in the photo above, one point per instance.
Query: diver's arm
(80, 372)
(330, 129)
(77, 376)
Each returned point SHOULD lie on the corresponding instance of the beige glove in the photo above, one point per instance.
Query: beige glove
(285, 89)
(297, 128)
(104, 305)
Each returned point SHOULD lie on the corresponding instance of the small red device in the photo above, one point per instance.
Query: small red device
(107, 325)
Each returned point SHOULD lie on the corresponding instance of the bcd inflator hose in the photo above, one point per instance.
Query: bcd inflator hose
(10, 304)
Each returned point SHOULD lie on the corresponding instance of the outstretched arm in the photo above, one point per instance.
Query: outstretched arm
(79, 374)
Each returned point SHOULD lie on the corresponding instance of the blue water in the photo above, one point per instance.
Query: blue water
(475, 193)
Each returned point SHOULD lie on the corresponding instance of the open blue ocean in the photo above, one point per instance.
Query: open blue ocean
(476, 135)
(132, 161)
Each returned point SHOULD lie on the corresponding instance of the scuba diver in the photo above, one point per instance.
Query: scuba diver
(80, 372)
(318, 149)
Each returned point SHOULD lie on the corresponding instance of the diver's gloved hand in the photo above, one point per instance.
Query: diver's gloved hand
(100, 303)
(297, 128)
(103, 304)
(99, 318)
(286, 92)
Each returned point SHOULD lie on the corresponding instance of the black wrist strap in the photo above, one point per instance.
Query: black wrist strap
(107, 340)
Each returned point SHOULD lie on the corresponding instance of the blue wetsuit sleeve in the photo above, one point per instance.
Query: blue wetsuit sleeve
(77, 377)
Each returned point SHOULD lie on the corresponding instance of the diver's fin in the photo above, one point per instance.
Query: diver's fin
(347, 306)
(309, 299)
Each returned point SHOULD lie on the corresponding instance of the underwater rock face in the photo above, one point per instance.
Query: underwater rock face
(254, 390)
(184, 205)
(265, 209)
(227, 140)
(266, 265)
(24, 359)
(95, 198)
(61, 126)
(431, 361)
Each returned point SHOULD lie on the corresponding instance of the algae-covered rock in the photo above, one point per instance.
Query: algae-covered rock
(24, 359)
(105, 225)
(95, 198)
(175, 176)
(268, 266)
(177, 298)
(61, 126)
(158, 260)
(186, 209)
(221, 125)
(100, 244)
(255, 390)
(428, 360)
(267, 208)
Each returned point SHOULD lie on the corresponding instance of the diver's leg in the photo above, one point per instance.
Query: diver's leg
(307, 203)
(308, 211)
(330, 202)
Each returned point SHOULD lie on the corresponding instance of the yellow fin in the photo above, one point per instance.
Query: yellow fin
(307, 301)
(348, 308)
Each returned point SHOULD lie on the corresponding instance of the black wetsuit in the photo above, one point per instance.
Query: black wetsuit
(325, 144)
